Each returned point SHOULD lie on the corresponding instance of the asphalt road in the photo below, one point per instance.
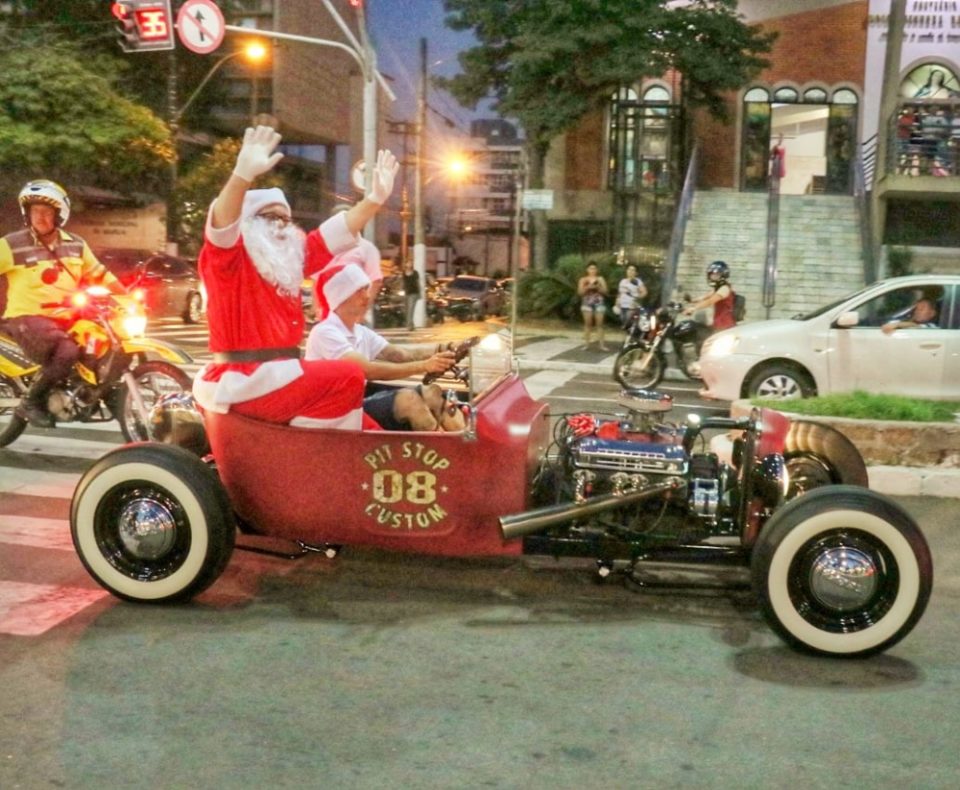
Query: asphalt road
(382, 670)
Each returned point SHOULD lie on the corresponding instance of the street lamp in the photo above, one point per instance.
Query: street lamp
(254, 52)
(366, 58)
(455, 167)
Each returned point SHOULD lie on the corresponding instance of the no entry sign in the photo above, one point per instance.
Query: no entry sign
(200, 26)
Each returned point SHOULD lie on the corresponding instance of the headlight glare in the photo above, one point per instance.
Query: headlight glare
(721, 346)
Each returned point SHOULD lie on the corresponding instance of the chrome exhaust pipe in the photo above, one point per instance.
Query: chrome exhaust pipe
(534, 521)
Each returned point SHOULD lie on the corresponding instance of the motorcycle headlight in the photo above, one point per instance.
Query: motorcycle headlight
(134, 325)
(720, 346)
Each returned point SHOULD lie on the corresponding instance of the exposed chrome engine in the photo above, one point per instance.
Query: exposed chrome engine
(625, 453)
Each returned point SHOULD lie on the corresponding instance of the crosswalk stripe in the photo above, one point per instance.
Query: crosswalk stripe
(109, 427)
(40, 533)
(57, 485)
(28, 609)
(52, 443)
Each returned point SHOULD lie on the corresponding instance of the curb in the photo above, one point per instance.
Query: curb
(915, 481)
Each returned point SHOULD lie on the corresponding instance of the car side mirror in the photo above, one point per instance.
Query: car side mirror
(847, 320)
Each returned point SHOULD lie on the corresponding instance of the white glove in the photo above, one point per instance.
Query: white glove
(256, 155)
(381, 185)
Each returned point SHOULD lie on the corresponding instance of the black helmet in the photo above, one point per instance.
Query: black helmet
(718, 273)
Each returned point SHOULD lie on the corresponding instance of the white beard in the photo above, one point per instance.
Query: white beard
(276, 253)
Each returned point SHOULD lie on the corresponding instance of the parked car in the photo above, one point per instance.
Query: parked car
(840, 347)
(472, 298)
(170, 284)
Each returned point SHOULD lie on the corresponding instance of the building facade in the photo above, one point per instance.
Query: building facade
(617, 175)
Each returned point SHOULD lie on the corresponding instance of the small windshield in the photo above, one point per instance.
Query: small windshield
(827, 308)
(467, 284)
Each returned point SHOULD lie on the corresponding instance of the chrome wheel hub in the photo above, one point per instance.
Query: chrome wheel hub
(147, 529)
(843, 578)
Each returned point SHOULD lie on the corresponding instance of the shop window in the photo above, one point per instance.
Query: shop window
(815, 96)
(756, 142)
(656, 94)
(639, 139)
(844, 96)
(841, 147)
(757, 95)
(786, 95)
(622, 139)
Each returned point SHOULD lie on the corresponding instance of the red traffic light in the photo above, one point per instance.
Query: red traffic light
(145, 25)
(120, 10)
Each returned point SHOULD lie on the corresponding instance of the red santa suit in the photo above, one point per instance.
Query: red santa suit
(249, 316)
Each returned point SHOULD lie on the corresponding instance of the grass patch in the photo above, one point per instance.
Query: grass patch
(865, 406)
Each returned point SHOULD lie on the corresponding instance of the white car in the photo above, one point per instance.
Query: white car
(840, 347)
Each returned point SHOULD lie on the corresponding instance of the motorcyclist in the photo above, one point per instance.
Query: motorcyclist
(721, 298)
(42, 263)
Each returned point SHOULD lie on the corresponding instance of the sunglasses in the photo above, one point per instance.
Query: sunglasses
(280, 220)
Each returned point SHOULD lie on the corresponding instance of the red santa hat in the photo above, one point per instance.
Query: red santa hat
(256, 200)
(337, 284)
(365, 254)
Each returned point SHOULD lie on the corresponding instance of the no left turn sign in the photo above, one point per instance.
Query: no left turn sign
(200, 26)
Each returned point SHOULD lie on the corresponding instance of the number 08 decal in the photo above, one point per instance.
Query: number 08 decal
(417, 488)
(404, 486)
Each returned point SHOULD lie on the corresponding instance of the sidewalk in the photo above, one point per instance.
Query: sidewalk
(545, 348)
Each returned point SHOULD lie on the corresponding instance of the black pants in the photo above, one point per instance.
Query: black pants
(44, 342)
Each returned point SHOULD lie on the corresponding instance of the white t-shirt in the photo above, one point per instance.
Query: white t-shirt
(331, 339)
(628, 294)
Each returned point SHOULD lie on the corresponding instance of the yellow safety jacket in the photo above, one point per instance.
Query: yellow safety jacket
(37, 275)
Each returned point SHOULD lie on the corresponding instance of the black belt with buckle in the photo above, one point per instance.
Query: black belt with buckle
(255, 355)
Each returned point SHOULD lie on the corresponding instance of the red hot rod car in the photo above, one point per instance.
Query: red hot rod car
(837, 569)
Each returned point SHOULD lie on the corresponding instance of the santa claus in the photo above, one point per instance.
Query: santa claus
(253, 262)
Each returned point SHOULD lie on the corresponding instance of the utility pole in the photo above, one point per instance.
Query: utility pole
(405, 130)
(419, 245)
(889, 97)
(173, 216)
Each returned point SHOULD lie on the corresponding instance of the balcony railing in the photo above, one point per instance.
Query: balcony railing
(925, 140)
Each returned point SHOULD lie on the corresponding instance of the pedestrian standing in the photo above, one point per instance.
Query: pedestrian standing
(630, 295)
(592, 289)
(411, 290)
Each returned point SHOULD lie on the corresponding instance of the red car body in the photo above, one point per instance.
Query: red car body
(427, 492)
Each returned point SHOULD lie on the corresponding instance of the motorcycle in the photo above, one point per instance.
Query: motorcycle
(762, 501)
(112, 379)
(642, 360)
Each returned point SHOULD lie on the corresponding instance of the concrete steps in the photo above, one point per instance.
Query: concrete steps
(819, 248)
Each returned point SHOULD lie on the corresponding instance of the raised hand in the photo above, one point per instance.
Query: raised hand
(257, 155)
(384, 172)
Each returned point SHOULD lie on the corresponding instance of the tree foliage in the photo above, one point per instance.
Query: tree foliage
(60, 118)
(90, 25)
(550, 62)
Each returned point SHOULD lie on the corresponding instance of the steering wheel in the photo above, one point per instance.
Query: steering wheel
(459, 352)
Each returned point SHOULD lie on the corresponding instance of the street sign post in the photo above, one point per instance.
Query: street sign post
(200, 26)
(537, 199)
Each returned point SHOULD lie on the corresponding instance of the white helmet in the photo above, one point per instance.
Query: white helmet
(49, 193)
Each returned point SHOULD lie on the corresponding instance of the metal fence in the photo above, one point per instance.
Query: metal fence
(925, 140)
